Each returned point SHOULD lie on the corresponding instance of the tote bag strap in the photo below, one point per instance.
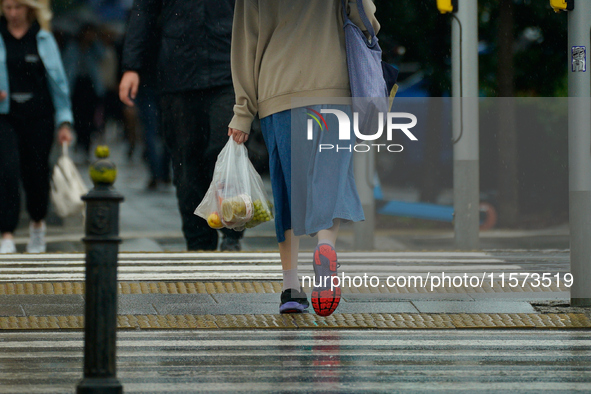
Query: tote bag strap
(65, 149)
(363, 16)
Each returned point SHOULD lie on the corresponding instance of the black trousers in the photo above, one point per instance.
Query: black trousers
(25, 143)
(195, 128)
(84, 103)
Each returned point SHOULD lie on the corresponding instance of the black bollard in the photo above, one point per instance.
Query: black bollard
(102, 245)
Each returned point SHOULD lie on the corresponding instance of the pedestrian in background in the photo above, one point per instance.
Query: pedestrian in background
(34, 102)
(195, 82)
(283, 50)
(147, 103)
(110, 75)
(83, 57)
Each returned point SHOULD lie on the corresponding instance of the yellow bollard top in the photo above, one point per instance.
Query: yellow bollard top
(103, 171)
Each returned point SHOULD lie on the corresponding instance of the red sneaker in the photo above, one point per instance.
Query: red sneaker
(325, 297)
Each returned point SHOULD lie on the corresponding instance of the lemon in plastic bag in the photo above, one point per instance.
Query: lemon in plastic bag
(237, 209)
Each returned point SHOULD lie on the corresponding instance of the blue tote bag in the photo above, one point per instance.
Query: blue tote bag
(368, 75)
(373, 82)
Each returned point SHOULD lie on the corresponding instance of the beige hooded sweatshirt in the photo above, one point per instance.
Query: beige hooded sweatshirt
(285, 49)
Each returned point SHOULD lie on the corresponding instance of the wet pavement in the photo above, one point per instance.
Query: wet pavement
(208, 322)
(339, 361)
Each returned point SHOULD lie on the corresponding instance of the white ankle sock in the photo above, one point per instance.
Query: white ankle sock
(325, 241)
(290, 279)
(329, 236)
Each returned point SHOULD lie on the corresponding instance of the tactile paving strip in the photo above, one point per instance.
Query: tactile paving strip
(303, 321)
(311, 321)
(248, 287)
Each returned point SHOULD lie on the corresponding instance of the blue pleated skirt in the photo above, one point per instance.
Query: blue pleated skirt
(311, 188)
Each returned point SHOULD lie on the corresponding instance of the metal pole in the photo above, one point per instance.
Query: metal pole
(364, 168)
(102, 245)
(579, 151)
(465, 125)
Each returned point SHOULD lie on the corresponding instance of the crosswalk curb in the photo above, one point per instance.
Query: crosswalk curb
(229, 287)
(311, 321)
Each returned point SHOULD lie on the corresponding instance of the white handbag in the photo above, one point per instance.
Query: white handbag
(67, 186)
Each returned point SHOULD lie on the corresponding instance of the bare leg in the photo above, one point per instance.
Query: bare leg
(288, 251)
(329, 236)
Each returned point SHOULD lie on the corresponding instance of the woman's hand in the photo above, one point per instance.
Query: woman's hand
(64, 134)
(2, 95)
(239, 136)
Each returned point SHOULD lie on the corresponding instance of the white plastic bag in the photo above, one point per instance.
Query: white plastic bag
(67, 186)
(236, 198)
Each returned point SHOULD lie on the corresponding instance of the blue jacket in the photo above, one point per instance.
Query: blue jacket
(58, 84)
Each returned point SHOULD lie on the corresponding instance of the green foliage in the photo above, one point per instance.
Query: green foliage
(423, 32)
(540, 43)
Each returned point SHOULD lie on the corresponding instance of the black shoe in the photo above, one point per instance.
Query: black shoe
(152, 185)
(293, 301)
(230, 245)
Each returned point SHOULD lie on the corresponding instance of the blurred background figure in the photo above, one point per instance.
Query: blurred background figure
(112, 115)
(155, 154)
(34, 101)
(195, 82)
(148, 110)
(83, 57)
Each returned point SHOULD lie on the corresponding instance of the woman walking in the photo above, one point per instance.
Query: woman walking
(34, 102)
(286, 50)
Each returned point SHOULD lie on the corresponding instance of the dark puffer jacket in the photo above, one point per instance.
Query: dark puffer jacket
(194, 36)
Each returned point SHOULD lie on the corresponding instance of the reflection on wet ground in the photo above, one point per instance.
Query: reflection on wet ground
(308, 361)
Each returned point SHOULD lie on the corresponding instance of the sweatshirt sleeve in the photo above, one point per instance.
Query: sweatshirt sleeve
(245, 32)
(370, 11)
